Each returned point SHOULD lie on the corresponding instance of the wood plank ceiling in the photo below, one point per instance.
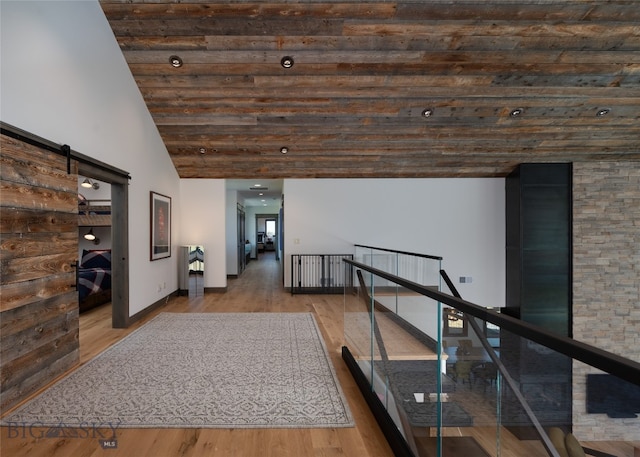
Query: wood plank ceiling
(363, 74)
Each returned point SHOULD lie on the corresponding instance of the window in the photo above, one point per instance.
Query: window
(271, 228)
(454, 323)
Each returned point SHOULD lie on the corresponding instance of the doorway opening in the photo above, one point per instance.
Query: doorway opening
(267, 239)
(94, 270)
(119, 233)
(241, 238)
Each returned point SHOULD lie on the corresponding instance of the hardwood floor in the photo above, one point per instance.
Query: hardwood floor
(259, 289)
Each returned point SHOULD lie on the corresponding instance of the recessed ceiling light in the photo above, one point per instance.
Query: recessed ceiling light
(603, 112)
(284, 150)
(175, 61)
(427, 112)
(516, 112)
(287, 62)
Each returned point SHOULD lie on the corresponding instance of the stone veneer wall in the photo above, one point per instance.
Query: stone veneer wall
(606, 280)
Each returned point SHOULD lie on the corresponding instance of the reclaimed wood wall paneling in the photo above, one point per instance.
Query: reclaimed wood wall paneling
(39, 303)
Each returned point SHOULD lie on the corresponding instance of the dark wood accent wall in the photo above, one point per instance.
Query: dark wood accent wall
(38, 299)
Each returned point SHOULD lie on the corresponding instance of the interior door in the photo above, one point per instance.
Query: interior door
(242, 261)
(38, 297)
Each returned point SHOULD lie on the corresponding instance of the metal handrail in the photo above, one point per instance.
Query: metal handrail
(609, 362)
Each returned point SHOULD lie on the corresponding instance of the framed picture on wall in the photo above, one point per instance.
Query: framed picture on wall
(160, 226)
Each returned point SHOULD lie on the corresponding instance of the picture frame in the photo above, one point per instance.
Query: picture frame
(160, 226)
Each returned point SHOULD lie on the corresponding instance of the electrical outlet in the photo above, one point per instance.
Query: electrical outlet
(466, 279)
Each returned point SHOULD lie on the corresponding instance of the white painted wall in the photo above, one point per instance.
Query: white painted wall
(462, 220)
(64, 78)
(231, 214)
(202, 222)
(250, 228)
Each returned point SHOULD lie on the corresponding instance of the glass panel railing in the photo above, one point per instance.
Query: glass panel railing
(454, 383)
(420, 268)
(535, 394)
(358, 327)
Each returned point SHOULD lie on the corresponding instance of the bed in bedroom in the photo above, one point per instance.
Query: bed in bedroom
(94, 278)
(94, 270)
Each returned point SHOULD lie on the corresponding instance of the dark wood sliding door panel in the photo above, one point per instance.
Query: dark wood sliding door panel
(39, 245)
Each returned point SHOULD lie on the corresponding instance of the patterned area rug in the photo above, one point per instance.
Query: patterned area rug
(202, 371)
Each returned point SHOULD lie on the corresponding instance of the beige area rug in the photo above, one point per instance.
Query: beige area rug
(206, 370)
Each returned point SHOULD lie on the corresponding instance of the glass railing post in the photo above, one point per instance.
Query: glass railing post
(439, 383)
(372, 336)
(397, 274)
(498, 414)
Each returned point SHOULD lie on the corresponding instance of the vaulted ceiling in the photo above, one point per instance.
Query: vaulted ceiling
(407, 88)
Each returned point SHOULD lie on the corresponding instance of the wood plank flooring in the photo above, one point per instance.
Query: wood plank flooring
(259, 289)
(398, 343)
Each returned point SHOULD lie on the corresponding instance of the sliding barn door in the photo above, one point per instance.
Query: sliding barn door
(39, 245)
